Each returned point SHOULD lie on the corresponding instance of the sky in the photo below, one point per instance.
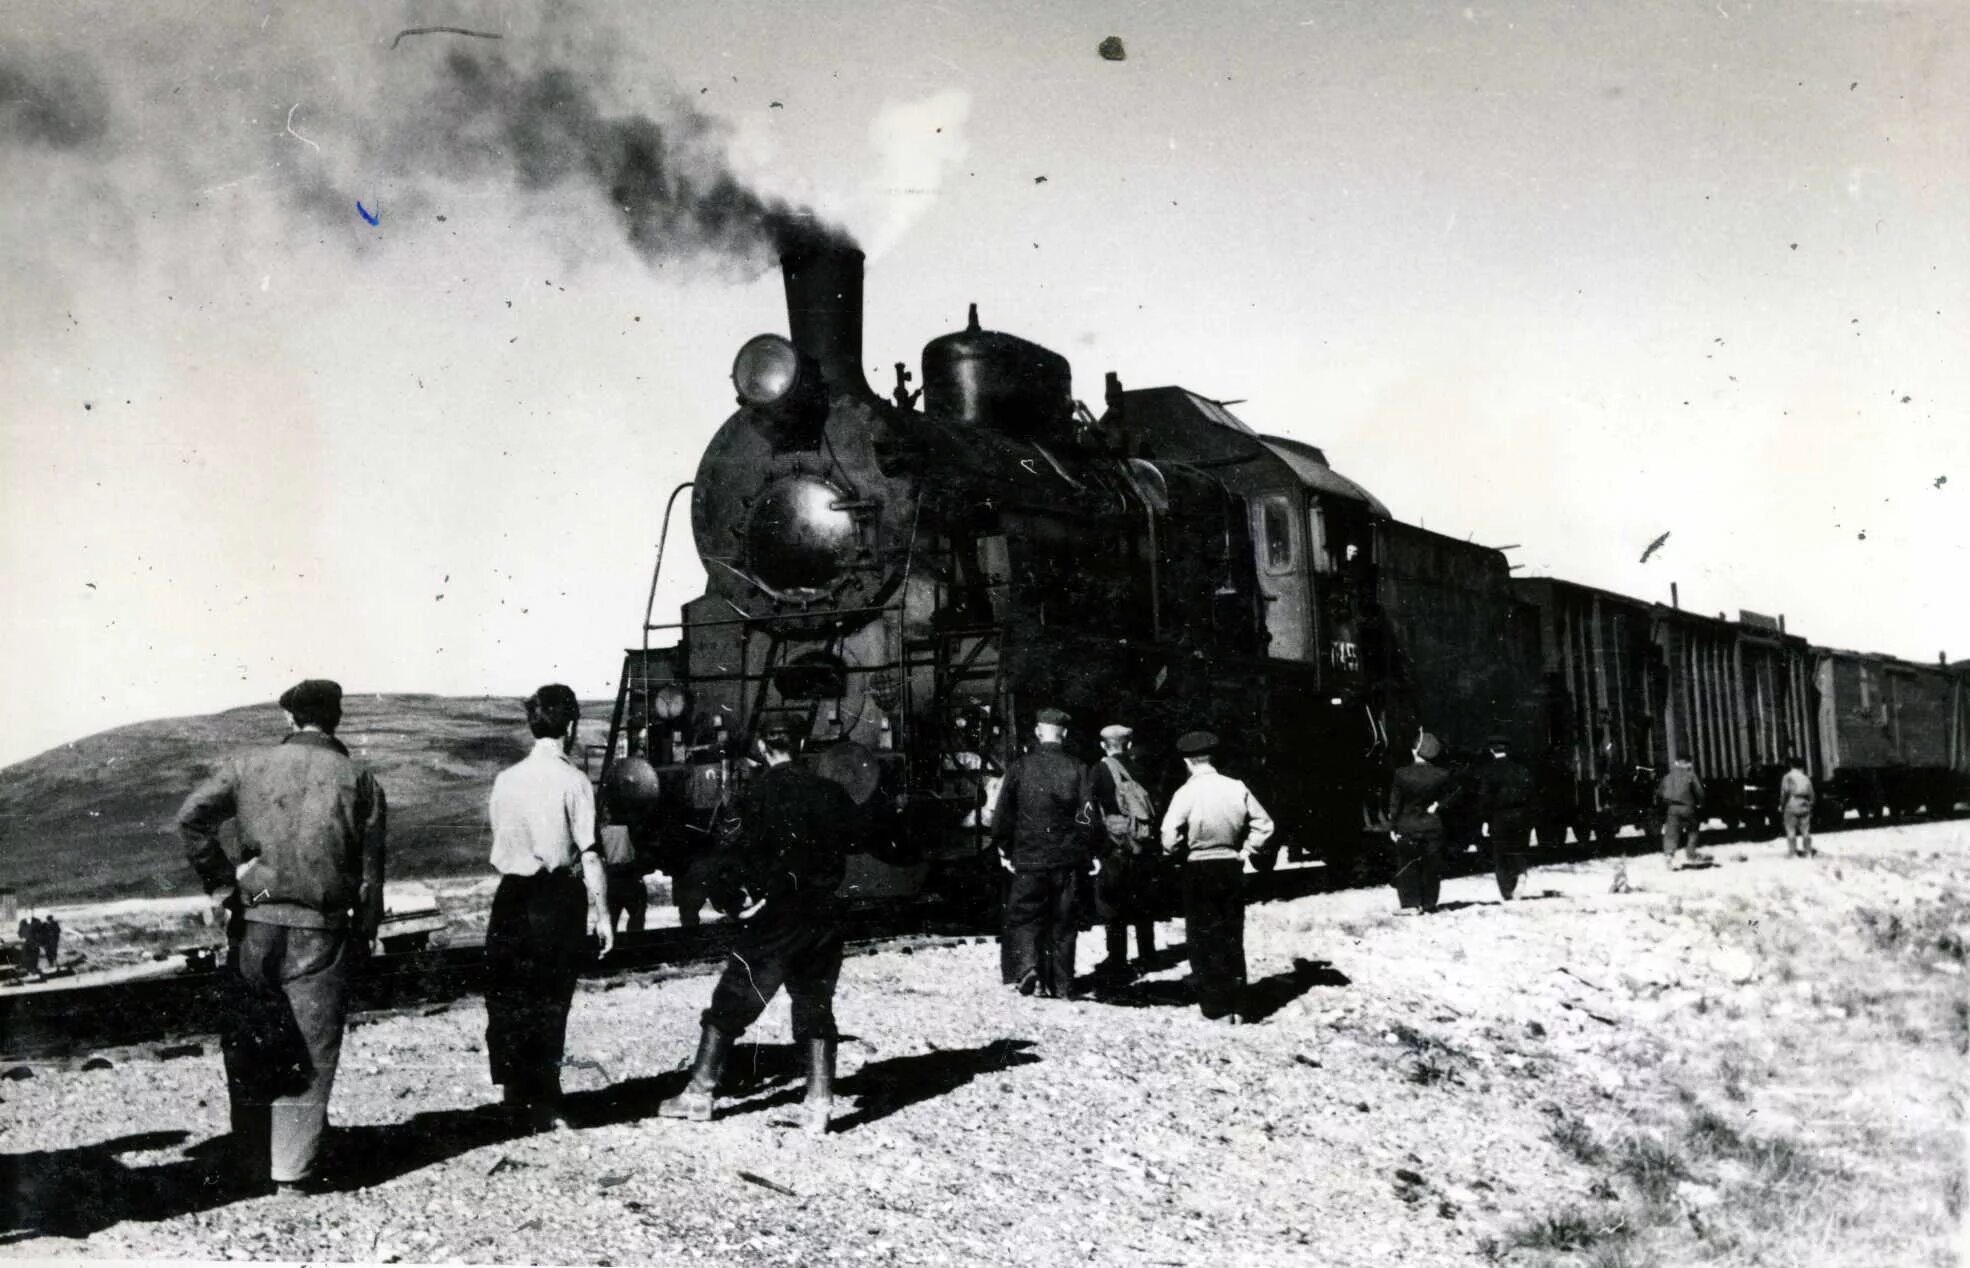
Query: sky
(1559, 277)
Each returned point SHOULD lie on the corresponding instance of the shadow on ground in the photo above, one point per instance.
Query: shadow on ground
(83, 1190)
(1261, 1000)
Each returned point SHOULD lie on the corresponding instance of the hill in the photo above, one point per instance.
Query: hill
(93, 820)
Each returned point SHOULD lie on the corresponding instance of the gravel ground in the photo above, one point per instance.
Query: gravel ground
(1757, 1062)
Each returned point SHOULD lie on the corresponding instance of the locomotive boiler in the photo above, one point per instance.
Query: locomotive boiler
(905, 581)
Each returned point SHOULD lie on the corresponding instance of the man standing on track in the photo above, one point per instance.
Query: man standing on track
(1680, 797)
(551, 884)
(303, 904)
(1125, 892)
(1043, 829)
(1795, 806)
(1215, 825)
(1504, 790)
(796, 830)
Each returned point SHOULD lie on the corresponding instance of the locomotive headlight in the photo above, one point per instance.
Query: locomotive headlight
(767, 370)
(670, 702)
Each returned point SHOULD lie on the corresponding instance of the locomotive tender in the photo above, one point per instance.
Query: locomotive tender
(905, 581)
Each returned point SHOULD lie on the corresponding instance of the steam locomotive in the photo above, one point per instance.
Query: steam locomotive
(905, 581)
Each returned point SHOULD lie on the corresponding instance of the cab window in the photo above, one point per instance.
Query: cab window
(1277, 516)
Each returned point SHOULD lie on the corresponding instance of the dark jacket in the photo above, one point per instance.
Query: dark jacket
(311, 822)
(1045, 815)
(1415, 788)
(1680, 789)
(797, 830)
(1503, 789)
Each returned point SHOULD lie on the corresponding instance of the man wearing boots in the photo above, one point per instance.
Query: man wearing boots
(1043, 829)
(302, 905)
(1125, 892)
(1504, 790)
(551, 883)
(1215, 825)
(796, 830)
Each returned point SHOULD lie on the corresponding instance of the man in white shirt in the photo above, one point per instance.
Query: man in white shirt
(551, 881)
(1215, 824)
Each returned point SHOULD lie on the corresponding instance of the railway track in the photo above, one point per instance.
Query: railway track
(86, 1017)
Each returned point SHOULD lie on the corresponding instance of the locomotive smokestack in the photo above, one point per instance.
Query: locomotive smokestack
(824, 311)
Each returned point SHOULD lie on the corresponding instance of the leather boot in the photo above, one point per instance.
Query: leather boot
(1145, 941)
(820, 1086)
(695, 1101)
(1116, 966)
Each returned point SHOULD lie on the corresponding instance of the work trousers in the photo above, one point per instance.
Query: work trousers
(536, 941)
(1124, 895)
(282, 1044)
(690, 889)
(786, 943)
(1509, 834)
(1680, 831)
(1214, 925)
(627, 895)
(1043, 924)
(1798, 831)
(1418, 868)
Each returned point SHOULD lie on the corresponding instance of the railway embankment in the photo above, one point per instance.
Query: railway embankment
(1758, 1062)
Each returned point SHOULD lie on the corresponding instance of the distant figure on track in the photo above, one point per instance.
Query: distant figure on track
(1415, 793)
(551, 884)
(1044, 829)
(1680, 797)
(796, 830)
(303, 904)
(1215, 825)
(1126, 891)
(1505, 797)
(1795, 807)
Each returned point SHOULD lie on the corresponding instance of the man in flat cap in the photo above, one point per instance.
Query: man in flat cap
(1416, 793)
(1215, 825)
(796, 831)
(303, 902)
(1504, 793)
(1043, 830)
(1125, 892)
(551, 886)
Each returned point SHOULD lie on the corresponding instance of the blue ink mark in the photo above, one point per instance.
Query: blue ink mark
(364, 213)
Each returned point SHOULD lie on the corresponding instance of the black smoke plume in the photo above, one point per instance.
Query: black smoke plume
(52, 107)
(672, 196)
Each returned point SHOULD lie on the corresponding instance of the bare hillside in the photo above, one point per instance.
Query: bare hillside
(92, 820)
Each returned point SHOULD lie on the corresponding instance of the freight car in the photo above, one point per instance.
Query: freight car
(1893, 736)
(905, 586)
(1632, 685)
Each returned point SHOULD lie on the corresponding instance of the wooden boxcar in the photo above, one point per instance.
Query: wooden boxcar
(1631, 686)
(1893, 735)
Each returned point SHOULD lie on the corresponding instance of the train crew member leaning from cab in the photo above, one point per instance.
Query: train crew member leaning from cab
(1126, 889)
(796, 830)
(1043, 830)
(551, 883)
(1795, 807)
(302, 904)
(1215, 825)
(1679, 795)
(1504, 790)
(1415, 793)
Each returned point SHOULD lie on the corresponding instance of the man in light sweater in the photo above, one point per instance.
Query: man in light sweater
(1215, 825)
